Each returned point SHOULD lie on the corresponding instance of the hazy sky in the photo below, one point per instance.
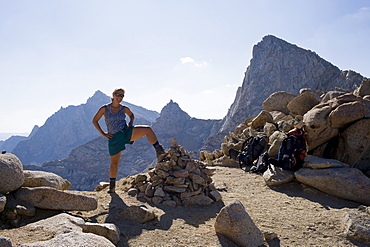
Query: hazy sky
(195, 52)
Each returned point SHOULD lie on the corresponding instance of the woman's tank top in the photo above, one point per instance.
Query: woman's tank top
(115, 121)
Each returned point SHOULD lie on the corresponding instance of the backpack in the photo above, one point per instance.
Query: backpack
(292, 150)
(252, 148)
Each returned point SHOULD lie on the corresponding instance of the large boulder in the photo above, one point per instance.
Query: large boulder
(357, 225)
(261, 119)
(367, 105)
(346, 183)
(50, 198)
(363, 89)
(65, 230)
(354, 142)
(303, 103)
(107, 230)
(315, 162)
(346, 113)
(11, 175)
(278, 101)
(325, 119)
(331, 95)
(73, 239)
(316, 126)
(44, 179)
(55, 225)
(234, 223)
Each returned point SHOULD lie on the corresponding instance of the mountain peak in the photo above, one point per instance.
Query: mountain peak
(172, 109)
(277, 65)
(98, 96)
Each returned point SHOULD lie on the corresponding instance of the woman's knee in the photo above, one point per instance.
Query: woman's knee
(115, 159)
(140, 131)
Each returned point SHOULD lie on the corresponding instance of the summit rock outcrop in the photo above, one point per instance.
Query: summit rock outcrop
(276, 66)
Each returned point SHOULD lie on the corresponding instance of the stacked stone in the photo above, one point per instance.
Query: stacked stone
(177, 180)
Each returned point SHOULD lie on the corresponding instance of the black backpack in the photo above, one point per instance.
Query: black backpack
(292, 151)
(252, 148)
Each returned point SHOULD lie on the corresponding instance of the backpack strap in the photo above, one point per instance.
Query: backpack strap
(246, 142)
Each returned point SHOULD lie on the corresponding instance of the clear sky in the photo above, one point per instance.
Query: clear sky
(58, 53)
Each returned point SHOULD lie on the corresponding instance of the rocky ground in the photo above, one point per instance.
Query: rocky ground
(298, 214)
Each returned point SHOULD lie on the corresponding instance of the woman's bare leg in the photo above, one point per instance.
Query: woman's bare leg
(144, 130)
(140, 131)
(114, 161)
(113, 170)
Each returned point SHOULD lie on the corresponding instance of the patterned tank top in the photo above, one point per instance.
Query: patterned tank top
(115, 121)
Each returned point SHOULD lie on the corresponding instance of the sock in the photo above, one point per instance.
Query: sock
(112, 185)
(155, 145)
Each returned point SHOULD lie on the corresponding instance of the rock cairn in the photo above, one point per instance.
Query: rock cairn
(177, 180)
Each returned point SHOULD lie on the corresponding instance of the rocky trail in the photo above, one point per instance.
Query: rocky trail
(298, 214)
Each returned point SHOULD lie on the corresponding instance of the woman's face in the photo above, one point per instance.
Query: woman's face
(118, 96)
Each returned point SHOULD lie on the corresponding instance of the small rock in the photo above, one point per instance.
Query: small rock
(107, 230)
(101, 186)
(275, 176)
(133, 191)
(269, 235)
(215, 195)
(159, 192)
(28, 211)
(200, 200)
(139, 214)
(5, 242)
(357, 225)
(2, 202)
(169, 203)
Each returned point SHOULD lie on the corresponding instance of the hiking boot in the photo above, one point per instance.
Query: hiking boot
(112, 187)
(233, 154)
(160, 152)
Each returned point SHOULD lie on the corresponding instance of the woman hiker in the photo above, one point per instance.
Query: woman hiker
(120, 133)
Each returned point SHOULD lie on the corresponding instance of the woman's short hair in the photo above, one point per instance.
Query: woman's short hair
(116, 90)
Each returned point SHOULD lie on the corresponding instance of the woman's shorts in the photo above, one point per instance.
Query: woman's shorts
(117, 143)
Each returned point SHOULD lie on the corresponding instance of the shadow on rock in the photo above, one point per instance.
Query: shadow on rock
(296, 189)
(224, 241)
(192, 215)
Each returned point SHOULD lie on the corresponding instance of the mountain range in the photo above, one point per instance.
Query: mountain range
(68, 128)
(68, 144)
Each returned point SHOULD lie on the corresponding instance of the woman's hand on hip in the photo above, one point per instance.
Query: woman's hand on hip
(108, 135)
